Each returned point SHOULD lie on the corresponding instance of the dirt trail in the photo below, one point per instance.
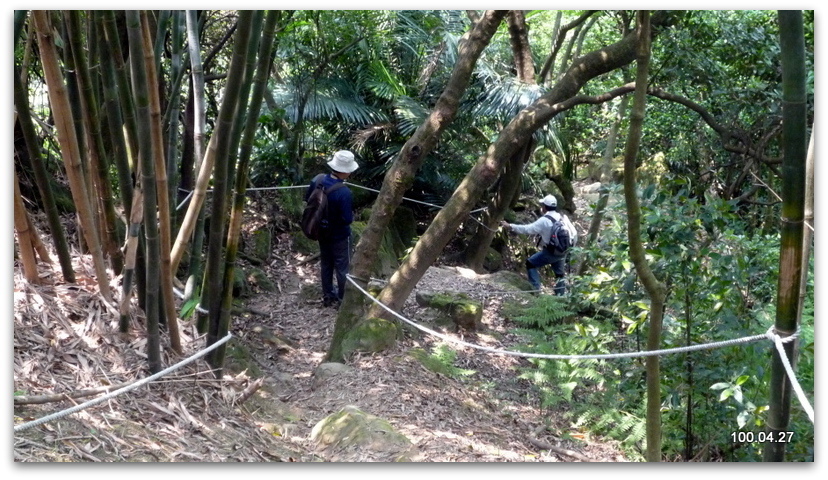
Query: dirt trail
(66, 340)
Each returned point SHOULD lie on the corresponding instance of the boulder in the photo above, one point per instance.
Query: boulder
(493, 261)
(464, 312)
(508, 280)
(259, 278)
(260, 245)
(351, 435)
(371, 335)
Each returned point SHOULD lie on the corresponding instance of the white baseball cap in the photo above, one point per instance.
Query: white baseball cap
(343, 161)
(549, 201)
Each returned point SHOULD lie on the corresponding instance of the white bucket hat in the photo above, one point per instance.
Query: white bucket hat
(549, 201)
(343, 161)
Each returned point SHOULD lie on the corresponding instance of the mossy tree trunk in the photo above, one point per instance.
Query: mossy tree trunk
(401, 174)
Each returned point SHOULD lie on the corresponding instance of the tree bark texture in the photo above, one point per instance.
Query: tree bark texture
(655, 289)
(400, 176)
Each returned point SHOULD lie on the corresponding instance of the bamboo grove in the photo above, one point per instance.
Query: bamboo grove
(132, 108)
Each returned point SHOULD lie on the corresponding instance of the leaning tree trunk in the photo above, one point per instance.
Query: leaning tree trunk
(510, 180)
(655, 289)
(21, 103)
(485, 172)
(794, 144)
(507, 188)
(148, 186)
(67, 138)
(401, 174)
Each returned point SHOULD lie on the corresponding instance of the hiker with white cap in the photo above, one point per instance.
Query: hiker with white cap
(335, 227)
(557, 234)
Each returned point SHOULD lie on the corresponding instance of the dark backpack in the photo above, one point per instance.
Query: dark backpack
(560, 240)
(316, 207)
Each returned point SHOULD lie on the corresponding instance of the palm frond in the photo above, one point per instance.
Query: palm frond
(505, 99)
(410, 114)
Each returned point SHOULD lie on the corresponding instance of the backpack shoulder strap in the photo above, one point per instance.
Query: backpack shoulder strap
(333, 187)
(318, 179)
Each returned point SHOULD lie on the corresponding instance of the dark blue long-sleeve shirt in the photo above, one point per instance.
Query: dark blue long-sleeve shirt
(340, 210)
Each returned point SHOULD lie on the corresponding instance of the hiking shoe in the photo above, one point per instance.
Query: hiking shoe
(331, 302)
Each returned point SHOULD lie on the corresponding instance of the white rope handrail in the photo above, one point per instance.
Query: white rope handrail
(128, 388)
(800, 394)
(770, 335)
(645, 353)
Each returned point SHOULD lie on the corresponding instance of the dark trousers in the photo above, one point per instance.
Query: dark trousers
(543, 258)
(334, 258)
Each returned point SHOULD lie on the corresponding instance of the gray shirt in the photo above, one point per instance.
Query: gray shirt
(542, 226)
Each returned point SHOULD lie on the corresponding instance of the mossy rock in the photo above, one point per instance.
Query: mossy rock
(352, 435)
(260, 245)
(303, 244)
(240, 286)
(463, 311)
(509, 280)
(493, 261)
(371, 335)
(258, 277)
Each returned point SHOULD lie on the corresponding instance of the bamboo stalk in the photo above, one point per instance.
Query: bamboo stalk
(148, 185)
(795, 144)
(162, 192)
(70, 152)
(21, 103)
(24, 234)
